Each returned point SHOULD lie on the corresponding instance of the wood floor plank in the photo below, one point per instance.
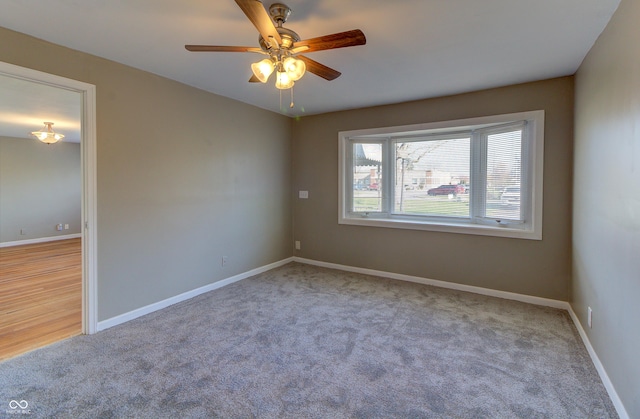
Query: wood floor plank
(40, 295)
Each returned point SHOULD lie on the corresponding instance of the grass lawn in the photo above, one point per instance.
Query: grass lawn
(435, 205)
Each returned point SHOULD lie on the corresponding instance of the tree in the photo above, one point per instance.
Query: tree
(408, 154)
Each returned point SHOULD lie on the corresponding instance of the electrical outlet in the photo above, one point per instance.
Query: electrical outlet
(66, 226)
(297, 245)
(224, 261)
(589, 316)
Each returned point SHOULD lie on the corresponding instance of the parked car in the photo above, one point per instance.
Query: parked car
(446, 190)
(510, 195)
(374, 187)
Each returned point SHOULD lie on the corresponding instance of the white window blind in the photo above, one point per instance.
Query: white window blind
(432, 176)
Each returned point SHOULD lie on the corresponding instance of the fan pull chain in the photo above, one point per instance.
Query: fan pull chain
(291, 104)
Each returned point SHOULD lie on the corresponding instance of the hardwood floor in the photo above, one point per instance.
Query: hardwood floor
(40, 295)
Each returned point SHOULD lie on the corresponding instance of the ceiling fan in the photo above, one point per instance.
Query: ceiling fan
(283, 47)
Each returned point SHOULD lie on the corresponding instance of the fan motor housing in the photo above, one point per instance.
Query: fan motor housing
(288, 36)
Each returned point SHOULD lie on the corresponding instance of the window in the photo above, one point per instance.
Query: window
(474, 176)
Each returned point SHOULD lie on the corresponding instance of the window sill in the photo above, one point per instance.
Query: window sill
(445, 227)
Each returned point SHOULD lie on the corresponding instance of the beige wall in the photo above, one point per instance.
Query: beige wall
(40, 186)
(184, 177)
(606, 241)
(538, 268)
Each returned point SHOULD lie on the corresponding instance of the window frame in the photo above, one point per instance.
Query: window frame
(531, 177)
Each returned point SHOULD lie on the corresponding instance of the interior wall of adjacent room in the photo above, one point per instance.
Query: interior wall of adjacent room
(606, 211)
(184, 177)
(40, 186)
(537, 268)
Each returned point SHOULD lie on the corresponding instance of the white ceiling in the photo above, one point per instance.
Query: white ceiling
(26, 105)
(415, 48)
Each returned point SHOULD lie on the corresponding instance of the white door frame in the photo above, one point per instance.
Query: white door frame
(89, 184)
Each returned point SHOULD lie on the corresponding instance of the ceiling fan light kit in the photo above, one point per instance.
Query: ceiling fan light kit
(283, 81)
(294, 68)
(283, 46)
(263, 69)
(47, 135)
(289, 70)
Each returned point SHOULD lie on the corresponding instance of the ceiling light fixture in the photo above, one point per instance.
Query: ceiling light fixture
(47, 135)
(288, 69)
(281, 54)
(262, 69)
(282, 46)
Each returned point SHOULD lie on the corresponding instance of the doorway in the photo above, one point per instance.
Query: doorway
(86, 97)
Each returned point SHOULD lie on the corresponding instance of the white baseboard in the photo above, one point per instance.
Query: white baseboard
(442, 284)
(123, 318)
(40, 240)
(615, 399)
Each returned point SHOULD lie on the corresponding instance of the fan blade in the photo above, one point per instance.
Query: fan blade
(254, 79)
(220, 48)
(318, 69)
(336, 40)
(256, 13)
(298, 50)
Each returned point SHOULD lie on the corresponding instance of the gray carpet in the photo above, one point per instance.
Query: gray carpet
(307, 342)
